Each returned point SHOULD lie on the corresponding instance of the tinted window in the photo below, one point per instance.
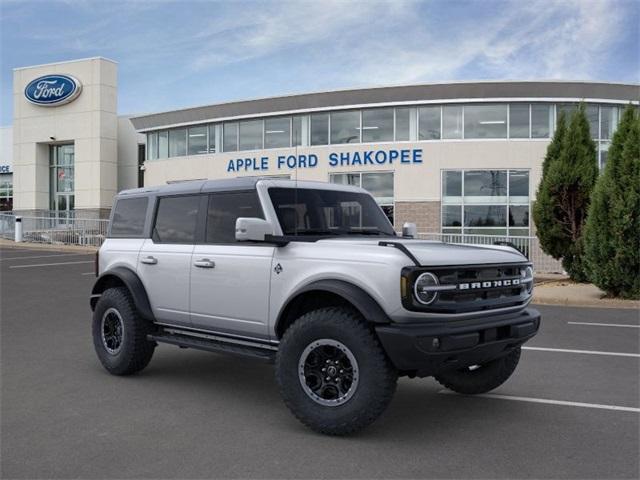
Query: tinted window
(277, 132)
(251, 135)
(485, 121)
(328, 212)
(176, 219)
(230, 137)
(452, 121)
(178, 142)
(345, 127)
(128, 217)
(320, 129)
(224, 209)
(197, 140)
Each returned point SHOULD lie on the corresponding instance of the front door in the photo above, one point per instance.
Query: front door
(229, 279)
(164, 262)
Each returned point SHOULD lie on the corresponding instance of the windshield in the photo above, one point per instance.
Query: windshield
(305, 211)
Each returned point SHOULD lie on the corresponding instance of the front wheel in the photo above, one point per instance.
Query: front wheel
(332, 372)
(480, 378)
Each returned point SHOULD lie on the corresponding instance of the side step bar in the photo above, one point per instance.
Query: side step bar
(215, 345)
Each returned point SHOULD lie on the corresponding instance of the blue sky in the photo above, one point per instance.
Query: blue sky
(179, 54)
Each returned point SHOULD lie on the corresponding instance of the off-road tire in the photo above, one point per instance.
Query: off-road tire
(135, 351)
(483, 379)
(377, 376)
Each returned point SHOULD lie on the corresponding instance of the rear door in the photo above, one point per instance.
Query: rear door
(229, 279)
(164, 262)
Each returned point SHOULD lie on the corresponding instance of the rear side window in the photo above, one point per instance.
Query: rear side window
(128, 217)
(176, 219)
(224, 209)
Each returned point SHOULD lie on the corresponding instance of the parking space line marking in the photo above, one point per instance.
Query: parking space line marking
(44, 256)
(50, 264)
(589, 352)
(547, 401)
(604, 324)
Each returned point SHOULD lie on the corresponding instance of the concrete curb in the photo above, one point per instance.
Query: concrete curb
(46, 246)
(566, 293)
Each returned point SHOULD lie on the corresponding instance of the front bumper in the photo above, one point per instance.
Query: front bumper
(426, 349)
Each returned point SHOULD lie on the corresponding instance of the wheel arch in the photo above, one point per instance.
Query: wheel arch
(123, 277)
(324, 293)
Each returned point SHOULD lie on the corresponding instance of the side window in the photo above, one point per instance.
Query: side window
(128, 217)
(224, 209)
(176, 219)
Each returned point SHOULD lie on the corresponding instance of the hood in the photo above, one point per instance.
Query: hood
(434, 253)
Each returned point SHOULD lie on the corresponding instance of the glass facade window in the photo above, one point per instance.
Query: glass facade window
(377, 125)
(197, 140)
(541, 120)
(519, 186)
(61, 180)
(592, 117)
(429, 123)
(608, 122)
(452, 186)
(296, 130)
(485, 121)
(251, 135)
(6, 192)
(212, 138)
(230, 137)
(277, 132)
(452, 216)
(485, 216)
(452, 121)
(163, 144)
(485, 185)
(345, 127)
(476, 202)
(152, 146)
(403, 124)
(178, 142)
(519, 120)
(378, 184)
(320, 129)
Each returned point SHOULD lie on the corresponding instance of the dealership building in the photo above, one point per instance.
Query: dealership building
(460, 157)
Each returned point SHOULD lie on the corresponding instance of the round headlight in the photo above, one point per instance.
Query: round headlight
(424, 290)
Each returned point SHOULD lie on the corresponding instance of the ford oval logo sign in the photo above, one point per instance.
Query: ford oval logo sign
(53, 90)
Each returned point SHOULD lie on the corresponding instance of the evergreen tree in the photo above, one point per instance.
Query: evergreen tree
(548, 231)
(563, 198)
(612, 242)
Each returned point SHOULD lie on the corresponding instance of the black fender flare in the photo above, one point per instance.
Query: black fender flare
(356, 296)
(133, 283)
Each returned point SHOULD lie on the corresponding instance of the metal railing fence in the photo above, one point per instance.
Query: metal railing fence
(529, 246)
(56, 230)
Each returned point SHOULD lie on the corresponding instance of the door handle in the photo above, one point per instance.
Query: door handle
(204, 263)
(149, 260)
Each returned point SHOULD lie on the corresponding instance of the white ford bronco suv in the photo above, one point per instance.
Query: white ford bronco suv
(310, 276)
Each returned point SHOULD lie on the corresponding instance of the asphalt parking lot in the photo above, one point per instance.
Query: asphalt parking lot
(571, 410)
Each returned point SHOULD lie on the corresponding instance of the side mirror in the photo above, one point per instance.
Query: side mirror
(409, 230)
(252, 229)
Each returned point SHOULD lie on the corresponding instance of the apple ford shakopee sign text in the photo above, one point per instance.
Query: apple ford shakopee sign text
(53, 90)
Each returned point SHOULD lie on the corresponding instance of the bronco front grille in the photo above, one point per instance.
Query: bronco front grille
(474, 288)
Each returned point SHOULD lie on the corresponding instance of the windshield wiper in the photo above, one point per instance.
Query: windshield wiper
(367, 231)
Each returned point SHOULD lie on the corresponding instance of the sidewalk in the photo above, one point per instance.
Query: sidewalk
(553, 291)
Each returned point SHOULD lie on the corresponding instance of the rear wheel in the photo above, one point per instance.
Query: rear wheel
(332, 372)
(120, 334)
(481, 378)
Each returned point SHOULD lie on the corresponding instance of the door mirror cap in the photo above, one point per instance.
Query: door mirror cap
(252, 229)
(409, 230)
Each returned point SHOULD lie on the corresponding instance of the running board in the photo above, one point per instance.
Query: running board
(218, 346)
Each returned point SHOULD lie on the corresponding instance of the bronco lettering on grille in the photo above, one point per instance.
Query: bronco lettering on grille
(511, 282)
